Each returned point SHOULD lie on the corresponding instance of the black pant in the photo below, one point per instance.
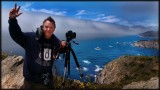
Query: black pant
(32, 85)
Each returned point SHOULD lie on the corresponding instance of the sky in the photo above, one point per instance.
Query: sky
(122, 12)
(116, 16)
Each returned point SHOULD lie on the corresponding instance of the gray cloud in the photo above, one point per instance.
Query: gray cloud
(85, 29)
(139, 10)
(140, 7)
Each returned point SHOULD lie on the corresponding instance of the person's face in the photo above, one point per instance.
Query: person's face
(48, 29)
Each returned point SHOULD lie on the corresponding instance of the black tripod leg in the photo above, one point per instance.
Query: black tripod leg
(65, 68)
(75, 59)
(68, 62)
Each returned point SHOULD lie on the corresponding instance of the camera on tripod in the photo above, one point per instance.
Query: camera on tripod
(69, 51)
(70, 35)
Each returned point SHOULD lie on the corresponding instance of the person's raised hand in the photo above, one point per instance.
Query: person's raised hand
(14, 12)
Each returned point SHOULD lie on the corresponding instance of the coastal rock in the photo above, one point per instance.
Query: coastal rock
(116, 71)
(11, 72)
(128, 69)
(112, 72)
(147, 44)
(102, 76)
(153, 83)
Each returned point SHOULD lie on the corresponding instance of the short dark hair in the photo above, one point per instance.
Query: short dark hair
(51, 20)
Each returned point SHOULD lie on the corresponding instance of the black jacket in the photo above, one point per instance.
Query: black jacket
(33, 68)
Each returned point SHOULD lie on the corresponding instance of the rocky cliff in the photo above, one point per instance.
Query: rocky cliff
(147, 44)
(127, 72)
(150, 84)
(12, 75)
(11, 72)
(128, 69)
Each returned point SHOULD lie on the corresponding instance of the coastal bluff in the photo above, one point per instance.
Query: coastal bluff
(12, 72)
(130, 71)
(125, 72)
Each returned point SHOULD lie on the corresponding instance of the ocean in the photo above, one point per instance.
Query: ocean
(92, 54)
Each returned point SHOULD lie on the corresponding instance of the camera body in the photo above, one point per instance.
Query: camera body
(70, 35)
(45, 78)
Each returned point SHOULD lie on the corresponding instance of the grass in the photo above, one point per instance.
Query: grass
(76, 84)
(3, 55)
(140, 68)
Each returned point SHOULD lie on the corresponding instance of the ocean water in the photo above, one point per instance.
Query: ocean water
(93, 54)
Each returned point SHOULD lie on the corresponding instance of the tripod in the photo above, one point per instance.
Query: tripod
(67, 61)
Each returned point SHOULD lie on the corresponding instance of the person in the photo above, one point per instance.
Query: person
(39, 53)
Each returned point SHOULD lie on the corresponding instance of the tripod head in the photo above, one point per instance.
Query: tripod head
(70, 35)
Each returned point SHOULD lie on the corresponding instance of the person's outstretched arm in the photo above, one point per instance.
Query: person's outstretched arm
(14, 29)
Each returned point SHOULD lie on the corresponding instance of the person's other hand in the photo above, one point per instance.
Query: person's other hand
(14, 12)
(63, 44)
